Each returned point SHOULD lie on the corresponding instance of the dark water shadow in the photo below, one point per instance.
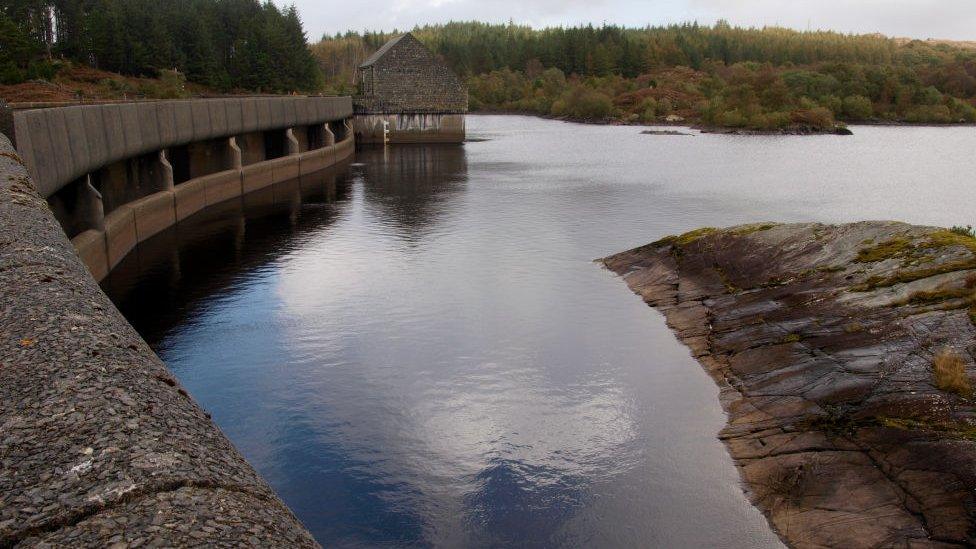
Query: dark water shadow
(163, 281)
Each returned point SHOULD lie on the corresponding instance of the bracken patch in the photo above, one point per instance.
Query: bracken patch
(949, 373)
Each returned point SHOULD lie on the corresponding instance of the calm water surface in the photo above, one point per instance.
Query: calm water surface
(418, 349)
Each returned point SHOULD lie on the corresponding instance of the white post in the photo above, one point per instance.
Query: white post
(167, 169)
(236, 159)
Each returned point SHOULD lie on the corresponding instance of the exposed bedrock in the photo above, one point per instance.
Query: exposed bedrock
(844, 355)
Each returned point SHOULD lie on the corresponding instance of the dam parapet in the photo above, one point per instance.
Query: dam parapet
(101, 445)
(116, 174)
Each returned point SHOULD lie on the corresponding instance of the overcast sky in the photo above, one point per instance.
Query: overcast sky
(953, 19)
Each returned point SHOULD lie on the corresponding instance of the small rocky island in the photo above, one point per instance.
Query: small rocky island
(844, 355)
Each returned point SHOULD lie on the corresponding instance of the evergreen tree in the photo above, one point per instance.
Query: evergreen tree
(228, 44)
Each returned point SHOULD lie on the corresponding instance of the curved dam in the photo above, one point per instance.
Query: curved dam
(101, 445)
(415, 349)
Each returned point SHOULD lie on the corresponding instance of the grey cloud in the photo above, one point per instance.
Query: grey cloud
(953, 19)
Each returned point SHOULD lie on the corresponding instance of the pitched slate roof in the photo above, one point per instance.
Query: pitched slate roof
(382, 51)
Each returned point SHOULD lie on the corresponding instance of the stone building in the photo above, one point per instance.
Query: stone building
(407, 95)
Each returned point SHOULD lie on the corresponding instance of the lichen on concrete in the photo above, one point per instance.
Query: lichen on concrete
(822, 340)
(99, 443)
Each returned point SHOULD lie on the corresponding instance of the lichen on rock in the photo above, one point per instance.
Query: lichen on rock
(824, 341)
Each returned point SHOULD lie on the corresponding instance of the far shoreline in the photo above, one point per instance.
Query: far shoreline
(719, 130)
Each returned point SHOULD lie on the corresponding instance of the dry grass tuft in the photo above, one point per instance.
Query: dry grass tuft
(949, 373)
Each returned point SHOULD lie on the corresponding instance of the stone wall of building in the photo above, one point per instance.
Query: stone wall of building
(408, 78)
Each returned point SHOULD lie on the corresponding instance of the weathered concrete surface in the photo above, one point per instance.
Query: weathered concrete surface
(62, 144)
(134, 222)
(99, 444)
(409, 128)
(822, 340)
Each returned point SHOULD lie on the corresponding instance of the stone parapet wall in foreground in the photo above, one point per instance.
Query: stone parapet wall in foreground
(99, 444)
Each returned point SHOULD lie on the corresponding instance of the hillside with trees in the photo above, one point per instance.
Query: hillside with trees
(222, 44)
(766, 79)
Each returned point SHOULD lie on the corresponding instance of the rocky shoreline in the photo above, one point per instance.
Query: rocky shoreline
(791, 130)
(844, 355)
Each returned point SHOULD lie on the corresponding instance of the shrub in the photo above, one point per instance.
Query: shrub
(937, 114)
(857, 107)
(11, 74)
(732, 119)
(583, 103)
(664, 107)
(966, 112)
(778, 119)
(114, 87)
(949, 373)
(647, 109)
(758, 121)
(172, 85)
(648, 103)
(928, 96)
(832, 102)
(818, 117)
(963, 231)
(43, 70)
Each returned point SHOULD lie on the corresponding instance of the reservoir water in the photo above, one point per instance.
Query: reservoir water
(418, 350)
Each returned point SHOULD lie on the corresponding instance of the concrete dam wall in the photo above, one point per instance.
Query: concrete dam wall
(59, 145)
(118, 174)
(99, 443)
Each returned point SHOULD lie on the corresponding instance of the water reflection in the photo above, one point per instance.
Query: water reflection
(411, 186)
(432, 358)
(421, 439)
(432, 398)
(163, 281)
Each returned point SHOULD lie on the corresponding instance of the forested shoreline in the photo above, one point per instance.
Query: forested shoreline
(761, 79)
(223, 44)
(769, 79)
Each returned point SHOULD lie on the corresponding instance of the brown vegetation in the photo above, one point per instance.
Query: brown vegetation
(949, 373)
(74, 82)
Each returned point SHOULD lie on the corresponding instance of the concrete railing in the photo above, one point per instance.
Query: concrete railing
(59, 145)
(117, 174)
(99, 444)
(104, 247)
